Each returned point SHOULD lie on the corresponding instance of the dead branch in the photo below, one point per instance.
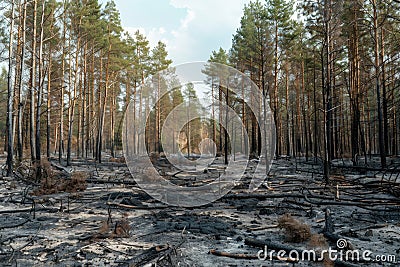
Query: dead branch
(15, 225)
(157, 253)
(349, 231)
(135, 207)
(262, 196)
(233, 256)
(51, 210)
(113, 250)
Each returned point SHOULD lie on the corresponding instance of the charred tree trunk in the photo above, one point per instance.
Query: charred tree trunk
(384, 95)
(10, 99)
(20, 149)
(39, 100)
(103, 107)
(48, 127)
(382, 149)
(33, 87)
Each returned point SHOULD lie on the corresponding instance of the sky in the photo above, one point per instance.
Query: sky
(191, 29)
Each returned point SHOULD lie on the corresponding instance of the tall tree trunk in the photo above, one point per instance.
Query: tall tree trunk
(112, 121)
(140, 140)
(327, 83)
(33, 87)
(99, 109)
(244, 118)
(226, 125)
(17, 74)
(382, 149)
(302, 109)
(48, 124)
(354, 71)
(316, 133)
(220, 116)
(61, 104)
(39, 100)
(10, 98)
(158, 116)
(188, 129)
(276, 103)
(384, 95)
(93, 101)
(21, 105)
(287, 112)
(103, 106)
(84, 105)
(72, 100)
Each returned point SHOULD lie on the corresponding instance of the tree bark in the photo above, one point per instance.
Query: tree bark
(382, 149)
(21, 105)
(103, 105)
(61, 104)
(48, 124)
(39, 100)
(33, 87)
(10, 98)
(72, 98)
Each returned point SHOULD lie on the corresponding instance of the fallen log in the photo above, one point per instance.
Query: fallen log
(366, 168)
(14, 225)
(113, 250)
(233, 256)
(15, 211)
(147, 256)
(50, 210)
(262, 196)
(162, 255)
(61, 168)
(96, 181)
(119, 205)
(353, 230)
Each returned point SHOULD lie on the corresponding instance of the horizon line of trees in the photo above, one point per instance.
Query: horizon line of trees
(332, 77)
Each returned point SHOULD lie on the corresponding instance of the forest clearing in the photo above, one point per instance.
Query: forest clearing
(280, 149)
(107, 220)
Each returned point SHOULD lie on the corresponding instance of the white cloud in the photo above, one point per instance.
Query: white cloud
(213, 13)
(191, 15)
(153, 34)
(208, 24)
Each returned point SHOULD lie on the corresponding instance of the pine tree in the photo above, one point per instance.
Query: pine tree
(159, 62)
